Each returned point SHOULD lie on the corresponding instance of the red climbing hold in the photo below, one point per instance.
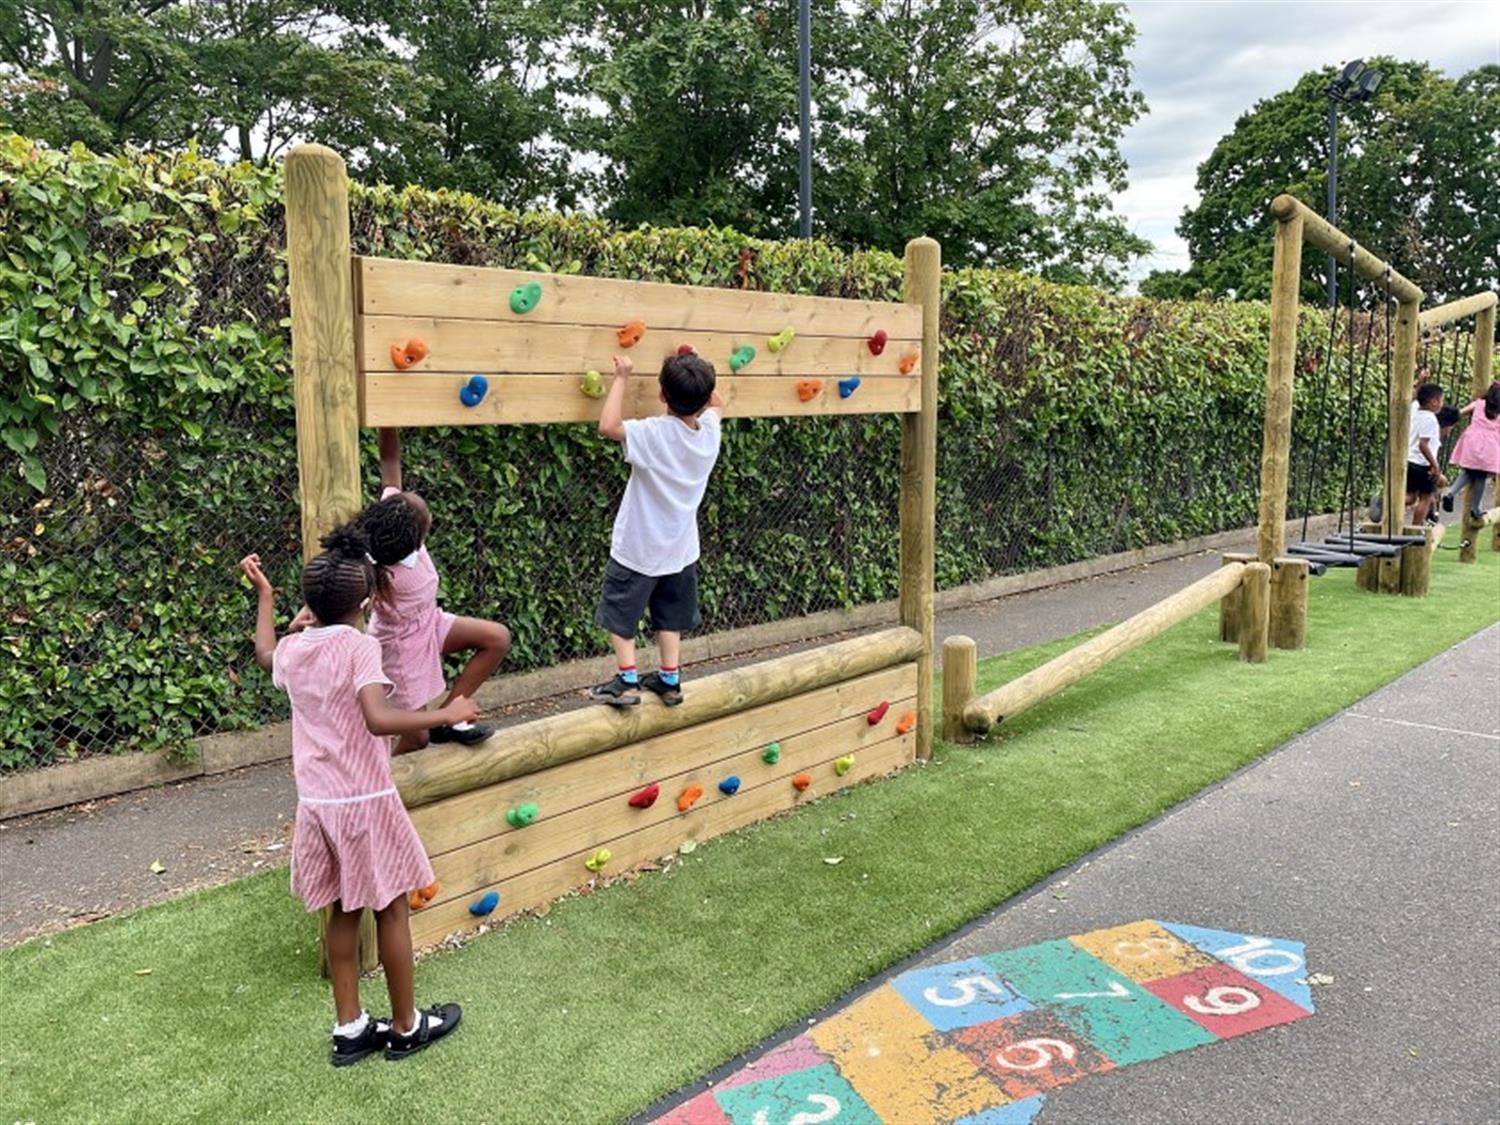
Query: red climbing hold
(629, 335)
(684, 349)
(877, 342)
(801, 781)
(808, 389)
(908, 363)
(874, 717)
(906, 722)
(646, 797)
(689, 795)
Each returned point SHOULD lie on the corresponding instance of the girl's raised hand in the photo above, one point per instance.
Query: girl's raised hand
(624, 365)
(303, 620)
(250, 564)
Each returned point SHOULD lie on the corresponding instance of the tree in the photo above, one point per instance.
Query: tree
(1415, 165)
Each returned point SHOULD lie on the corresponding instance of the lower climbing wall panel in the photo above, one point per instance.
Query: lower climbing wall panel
(584, 804)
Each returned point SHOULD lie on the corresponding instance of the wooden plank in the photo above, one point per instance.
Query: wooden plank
(924, 279)
(495, 860)
(500, 347)
(414, 399)
(480, 814)
(392, 287)
(543, 884)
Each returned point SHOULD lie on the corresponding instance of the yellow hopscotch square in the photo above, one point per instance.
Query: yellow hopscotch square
(900, 1066)
(1143, 951)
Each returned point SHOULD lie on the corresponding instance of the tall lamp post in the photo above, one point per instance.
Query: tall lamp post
(804, 68)
(1355, 83)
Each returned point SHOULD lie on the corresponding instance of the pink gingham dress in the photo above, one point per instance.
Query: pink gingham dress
(353, 842)
(1478, 447)
(411, 629)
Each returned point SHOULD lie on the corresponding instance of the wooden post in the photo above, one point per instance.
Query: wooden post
(1276, 436)
(1484, 358)
(960, 668)
(1288, 628)
(1398, 417)
(325, 387)
(1415, 567)
(924, 277)
(1256, 621)
(1230, 605)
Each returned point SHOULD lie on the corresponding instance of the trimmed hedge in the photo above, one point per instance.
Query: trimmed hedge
(146, 417)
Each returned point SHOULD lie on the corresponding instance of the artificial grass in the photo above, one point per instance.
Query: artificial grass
(615, 998)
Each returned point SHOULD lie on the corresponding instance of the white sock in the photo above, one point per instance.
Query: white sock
(353, 1027)
(463, 726)
(432, 1022)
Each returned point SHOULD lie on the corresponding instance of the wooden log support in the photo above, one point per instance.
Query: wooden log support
(1288, 627)
(1255, 624)
(960, 669)
(1276, 436)
(1403, 371)
(441, 771)
(1020, 695)
(1415, 568)
(1483, 372)
(1439, 315)
(1323, 235)
(1230, 603)
(924, 277)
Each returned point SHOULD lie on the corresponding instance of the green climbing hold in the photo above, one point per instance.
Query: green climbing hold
(843, 765)
(592, 384)
(596, 862)
(741, 357)
(521, 815)
(523, 298)
(772, 754)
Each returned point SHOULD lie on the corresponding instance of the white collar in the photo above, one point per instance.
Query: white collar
(410, 561)
(316, 632)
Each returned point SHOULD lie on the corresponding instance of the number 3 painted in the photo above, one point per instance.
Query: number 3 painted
(829, 1109)
(968, 991)
(1039, 1052)
(1225, 1000)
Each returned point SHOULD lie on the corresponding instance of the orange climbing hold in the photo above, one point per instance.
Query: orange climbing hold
(808, 389)
(906, 722)
(801, 781)
(409, 354)
(908, 363)
(874, 717)
(630, 334)
(689, 795)
(420, 898)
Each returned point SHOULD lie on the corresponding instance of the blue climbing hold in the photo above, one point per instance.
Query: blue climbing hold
(729, 786)
(480, 907)
(472, 393)
(848, 386)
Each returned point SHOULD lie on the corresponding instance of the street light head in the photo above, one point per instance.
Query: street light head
(1369, 82)
(1350, 72)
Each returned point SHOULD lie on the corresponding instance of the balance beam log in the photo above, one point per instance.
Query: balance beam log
(1010, 700)
(960, 668)
(1288, 627)
(1255, 625)
(441, 771)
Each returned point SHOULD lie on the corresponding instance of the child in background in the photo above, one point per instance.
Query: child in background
(354, 847)
(1477, 452)
(1423, 477)
(414, 633)
(653, 554)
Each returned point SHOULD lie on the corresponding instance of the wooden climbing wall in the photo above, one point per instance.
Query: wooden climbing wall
(583, 804)
(534, 361)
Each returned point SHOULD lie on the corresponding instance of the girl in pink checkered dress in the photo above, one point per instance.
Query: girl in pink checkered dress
(354, 847)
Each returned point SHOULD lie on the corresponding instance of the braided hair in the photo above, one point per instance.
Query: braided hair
(336, 582)
(393, 528)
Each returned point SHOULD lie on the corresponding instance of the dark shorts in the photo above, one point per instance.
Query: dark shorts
(672, 599)
(1419, 479)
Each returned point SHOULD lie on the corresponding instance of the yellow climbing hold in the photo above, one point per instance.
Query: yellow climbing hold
(592, 384)
(843, 765)
(597, 861)
(781, 340)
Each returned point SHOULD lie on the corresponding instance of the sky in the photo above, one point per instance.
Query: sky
(1202, 63)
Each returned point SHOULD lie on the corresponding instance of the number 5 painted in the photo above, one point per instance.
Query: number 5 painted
(968, 991)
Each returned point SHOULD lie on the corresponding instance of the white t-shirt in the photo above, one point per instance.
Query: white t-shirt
(656, 529)
(1424, 424)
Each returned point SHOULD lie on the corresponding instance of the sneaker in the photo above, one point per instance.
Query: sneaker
(670, 694)
(616, 692)
(1432, 517)
(1447, 501)
(432, 1024)
(349, 1049)
(471, 735)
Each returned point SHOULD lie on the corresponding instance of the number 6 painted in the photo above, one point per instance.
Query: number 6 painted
(968, 992)
(829, 1109)
(1220, 1001)
(1039, 1049)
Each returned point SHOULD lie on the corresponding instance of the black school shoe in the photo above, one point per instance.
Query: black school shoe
(432, 1024)
(616, 692)
(671, 694)
(1447, 501)
(349, 1049)
(473, 736)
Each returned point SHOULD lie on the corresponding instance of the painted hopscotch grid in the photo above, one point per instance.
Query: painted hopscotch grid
(980, 1041)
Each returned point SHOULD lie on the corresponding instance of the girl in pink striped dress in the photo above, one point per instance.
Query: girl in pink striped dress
(414, 633)
(354, 847)
(1477, 451)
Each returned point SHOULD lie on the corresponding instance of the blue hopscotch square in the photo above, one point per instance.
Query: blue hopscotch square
(960, 994)
(1016, 1113)
(816, 1094)
(1274, 962)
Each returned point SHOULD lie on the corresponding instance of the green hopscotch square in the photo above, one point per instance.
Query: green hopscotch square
(1126, 1022)
(816, 1094)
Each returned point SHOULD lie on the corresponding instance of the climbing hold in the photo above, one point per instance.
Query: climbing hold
(771, 754)
(472, 393)
(420, 898)
(592, 384)
(808, 389)
(486, 905)
(645, 798)
(429, 892)
(906, 722)
(742, 355)
(877, 342)
(848, 386)
(523, 298)
(801, 781)
(908, 363)
(689, 795)
(408, 354)
(629, 335)
(781, 340)
(843, 765)
(874, 717)
(685, 349)
(521, 815)
(596, 862)
(729, 786)
(414, 900)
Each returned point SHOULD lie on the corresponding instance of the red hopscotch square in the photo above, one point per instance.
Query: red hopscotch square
(702, 1110)
(1030, 1052)
(1225, 1001)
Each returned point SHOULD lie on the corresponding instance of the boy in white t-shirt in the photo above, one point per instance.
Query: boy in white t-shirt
(653, 554)
(1423, 477)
